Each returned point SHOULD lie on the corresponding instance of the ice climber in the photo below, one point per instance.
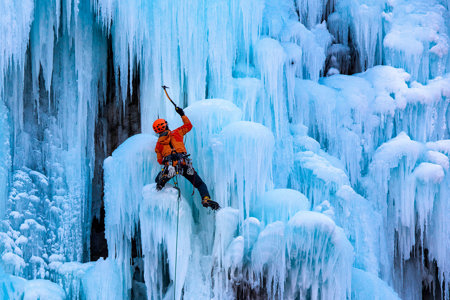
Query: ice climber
(172, 154)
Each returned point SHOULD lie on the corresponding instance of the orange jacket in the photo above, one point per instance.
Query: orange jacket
(173, 141)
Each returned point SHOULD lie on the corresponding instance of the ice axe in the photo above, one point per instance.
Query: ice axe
(168, 97)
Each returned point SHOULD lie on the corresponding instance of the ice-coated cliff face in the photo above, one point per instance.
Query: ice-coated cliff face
(320, 126)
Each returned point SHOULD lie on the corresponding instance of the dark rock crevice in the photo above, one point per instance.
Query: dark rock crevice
(117, 120)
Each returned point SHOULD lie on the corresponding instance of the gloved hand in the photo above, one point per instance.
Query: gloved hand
(179, 111)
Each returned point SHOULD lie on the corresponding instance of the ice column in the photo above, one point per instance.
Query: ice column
(15, 26)
(270, 58)
(269, 260)
(319, 258)
(391, 171)
(131, 166)
(5, 157)
(208, 118)
(408, 183)
(242, 175)
(159, 214)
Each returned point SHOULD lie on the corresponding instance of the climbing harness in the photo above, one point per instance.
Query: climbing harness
(177, 163)
(175, 181)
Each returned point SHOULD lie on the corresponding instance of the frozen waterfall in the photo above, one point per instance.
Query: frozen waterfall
(321, 127)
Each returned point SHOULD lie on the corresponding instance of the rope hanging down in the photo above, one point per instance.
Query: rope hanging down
(175, 181)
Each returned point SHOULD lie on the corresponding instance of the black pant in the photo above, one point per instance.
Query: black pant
(196, 181)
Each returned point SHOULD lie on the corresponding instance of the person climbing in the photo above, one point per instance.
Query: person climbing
(171, 153)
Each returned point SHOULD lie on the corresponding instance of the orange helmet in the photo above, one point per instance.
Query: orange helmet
(159, 125)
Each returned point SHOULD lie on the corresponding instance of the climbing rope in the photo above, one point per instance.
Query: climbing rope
(175, 181)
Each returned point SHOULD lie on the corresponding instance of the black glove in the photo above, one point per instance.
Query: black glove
(179, 111)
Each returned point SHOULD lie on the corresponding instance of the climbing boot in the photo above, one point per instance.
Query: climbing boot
(207, 202)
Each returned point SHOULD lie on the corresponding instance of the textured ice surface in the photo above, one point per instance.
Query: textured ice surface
(102, 281)
(12, 287)
(43, 289)
(279, 205)
(368, 286)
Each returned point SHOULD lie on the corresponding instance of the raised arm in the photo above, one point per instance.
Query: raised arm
(187, 125)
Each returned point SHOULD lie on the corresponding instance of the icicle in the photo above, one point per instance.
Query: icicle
(248, 93)
(252, 13)
(321, 176)
(407, 191)
(270, 57)
(417, 38)
(362, 21)
(312, 12)
(42, 43)
(227, 220)
(313, 47)
(269, 259)
(368, 32)
(14, 33)
(293, 68)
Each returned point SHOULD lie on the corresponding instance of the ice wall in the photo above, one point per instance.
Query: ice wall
(5, 158)
(53, 68)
